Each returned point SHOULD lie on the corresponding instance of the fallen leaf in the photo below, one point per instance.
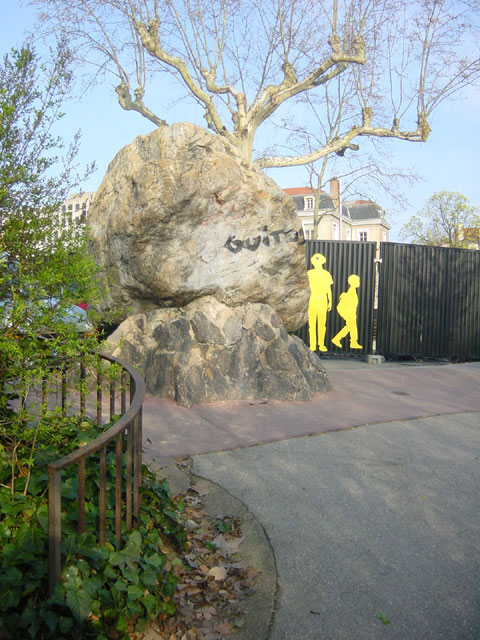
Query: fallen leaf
(239, 623)
(207, 612)
(193, 500)
(203, 569)
(383, 618)
(194, 513)
(201, 488)
(212, 583)
(219, 573)
(190, 525)
(229, 546)
(191, 558)
(188, 590)
(251, 575)
(223, 627)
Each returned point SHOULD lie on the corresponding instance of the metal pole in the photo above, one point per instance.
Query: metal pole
(54, 529)
(340, 207)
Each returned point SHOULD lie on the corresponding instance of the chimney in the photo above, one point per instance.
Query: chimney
(335, 192)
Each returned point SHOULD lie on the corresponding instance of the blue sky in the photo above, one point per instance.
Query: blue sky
(449, 160)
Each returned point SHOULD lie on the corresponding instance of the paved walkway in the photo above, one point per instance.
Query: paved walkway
(375, 530)
(362, 394)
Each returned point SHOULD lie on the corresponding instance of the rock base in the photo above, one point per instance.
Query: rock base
(207, 351)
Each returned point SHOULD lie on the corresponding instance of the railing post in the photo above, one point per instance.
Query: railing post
(130, 461)
(83, 375)
(81, 496)
(44, 393)
(102, 503)
(137, 464)
(64, 390)
(54, 529)
(112, 391)
(129, 483)
(99, 391)
(123, 406)
(118, 488)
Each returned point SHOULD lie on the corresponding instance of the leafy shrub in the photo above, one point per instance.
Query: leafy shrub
(45, 268)
(105, 590)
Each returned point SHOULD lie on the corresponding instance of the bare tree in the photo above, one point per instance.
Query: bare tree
(358, 177)
(370, 168)
(246, 61)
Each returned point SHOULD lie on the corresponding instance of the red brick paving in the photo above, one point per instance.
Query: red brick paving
(361, 394)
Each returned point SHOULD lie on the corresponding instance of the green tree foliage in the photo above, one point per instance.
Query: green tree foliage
(44, 268)
(447, 219)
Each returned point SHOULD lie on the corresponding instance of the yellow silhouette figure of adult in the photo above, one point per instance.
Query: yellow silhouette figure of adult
(320, 302)
(347, 309)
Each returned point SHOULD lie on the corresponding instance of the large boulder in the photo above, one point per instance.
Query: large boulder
(208, 351)
(180, 216)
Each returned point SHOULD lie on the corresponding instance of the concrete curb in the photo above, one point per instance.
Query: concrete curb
(255, 550)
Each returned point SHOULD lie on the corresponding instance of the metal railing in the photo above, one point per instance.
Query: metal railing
(129, 425)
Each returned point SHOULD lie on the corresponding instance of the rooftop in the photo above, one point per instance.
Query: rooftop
(354, 210)
(296, 191)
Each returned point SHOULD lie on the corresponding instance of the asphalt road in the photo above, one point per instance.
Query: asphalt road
(375, 529)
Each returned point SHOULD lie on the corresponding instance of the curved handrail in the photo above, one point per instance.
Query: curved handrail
(131, 424)
(99, 442)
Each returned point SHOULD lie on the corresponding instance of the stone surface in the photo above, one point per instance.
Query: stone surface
(180, 216)
(207, 351)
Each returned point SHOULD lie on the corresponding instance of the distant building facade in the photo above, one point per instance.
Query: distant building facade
(74, 210)
(361, 220)
(469, 237)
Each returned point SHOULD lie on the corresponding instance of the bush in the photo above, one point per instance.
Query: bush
(45, 268)
(105, 590)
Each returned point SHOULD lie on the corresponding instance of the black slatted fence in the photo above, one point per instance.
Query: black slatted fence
(429, 301)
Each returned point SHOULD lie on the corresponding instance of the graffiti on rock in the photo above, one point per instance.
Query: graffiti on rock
(266, 238)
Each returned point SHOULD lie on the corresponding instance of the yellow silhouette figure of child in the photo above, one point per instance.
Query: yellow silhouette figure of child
(320, 302)
(347, 309)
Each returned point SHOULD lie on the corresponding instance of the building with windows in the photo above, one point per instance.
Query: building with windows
(471, 238)
(74, 210)
(361, 220)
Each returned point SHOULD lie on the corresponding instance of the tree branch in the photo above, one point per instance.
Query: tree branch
(273, 96)
(151, 42)
(341, 144)
(126, 102)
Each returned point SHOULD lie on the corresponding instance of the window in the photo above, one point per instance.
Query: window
(349, 234)
(334, 231)
(309, 203)
(307, 231)
(363, 236)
